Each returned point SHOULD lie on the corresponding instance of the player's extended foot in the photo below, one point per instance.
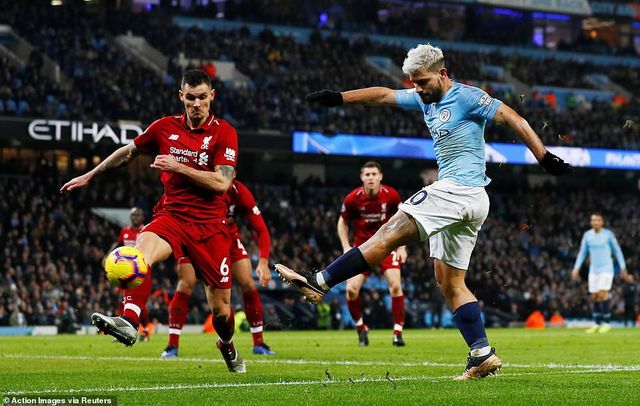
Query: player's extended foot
(398, 341)
(145, 336)
(117, 327)
(262, 349)
(363, 337)
(604, 328)
(593, 329)
(480, 367)
(169, 352)
(303, 281)
(234, 362)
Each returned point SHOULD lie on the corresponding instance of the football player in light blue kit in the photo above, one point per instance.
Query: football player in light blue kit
(599, 243)
(450, 212)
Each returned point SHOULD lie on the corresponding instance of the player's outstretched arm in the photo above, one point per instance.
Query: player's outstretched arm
(370, 95)
(553, 164)
(119, 157)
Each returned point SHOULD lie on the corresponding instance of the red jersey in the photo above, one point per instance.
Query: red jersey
(368, 214)
(128, 236)
(241, 200)
(215, 143)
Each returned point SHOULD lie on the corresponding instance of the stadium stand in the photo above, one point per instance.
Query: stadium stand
(109, 84)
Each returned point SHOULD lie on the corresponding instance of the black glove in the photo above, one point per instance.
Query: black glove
(554, 165)
(328, 98)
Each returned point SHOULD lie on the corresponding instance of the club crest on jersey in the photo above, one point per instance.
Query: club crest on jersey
(383, 206)
(203, 158)
(444, 115)
(205, 142)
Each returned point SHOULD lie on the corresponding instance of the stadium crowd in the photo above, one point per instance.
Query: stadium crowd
(439, 20)
(108, 84)
(53, 248)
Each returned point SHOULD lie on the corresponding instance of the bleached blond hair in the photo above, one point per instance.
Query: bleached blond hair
(423, 56)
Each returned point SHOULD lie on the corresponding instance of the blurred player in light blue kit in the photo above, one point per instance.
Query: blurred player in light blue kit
(448, 213)
(599, 243)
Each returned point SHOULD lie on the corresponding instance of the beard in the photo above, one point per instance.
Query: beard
(433, 97)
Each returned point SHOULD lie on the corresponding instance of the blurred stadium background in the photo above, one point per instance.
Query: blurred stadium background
(79, 78)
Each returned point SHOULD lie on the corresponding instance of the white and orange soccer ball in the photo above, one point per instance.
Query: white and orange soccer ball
(126, 267)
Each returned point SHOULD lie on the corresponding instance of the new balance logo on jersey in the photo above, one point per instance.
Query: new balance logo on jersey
(224, 279)
(230, 154)
(203, 158)
(174, 137)
(205, 142)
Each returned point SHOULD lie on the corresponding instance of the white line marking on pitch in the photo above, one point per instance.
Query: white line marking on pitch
(286, 383)
(319, 362)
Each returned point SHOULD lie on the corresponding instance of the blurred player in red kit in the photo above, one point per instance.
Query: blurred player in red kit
(128, 235)
(240, 201)
(368, 207)
(196, 153)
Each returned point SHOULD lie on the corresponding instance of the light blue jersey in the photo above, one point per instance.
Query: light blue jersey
(599, 247)
(456, 124)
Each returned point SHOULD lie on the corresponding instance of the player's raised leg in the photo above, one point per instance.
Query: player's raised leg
(125, 327)
(393, 278)
(400, 230)
(482, 359)
(224, 324)
(354, 305)
(179, 306)
(243, 275)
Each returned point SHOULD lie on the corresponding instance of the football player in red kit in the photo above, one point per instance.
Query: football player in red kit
(368, 207)
(196, 154)
(128, 235)
(240, 201)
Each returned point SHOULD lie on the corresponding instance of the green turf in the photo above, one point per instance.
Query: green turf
(541, 367)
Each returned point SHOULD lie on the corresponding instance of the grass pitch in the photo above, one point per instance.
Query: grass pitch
(541, 367)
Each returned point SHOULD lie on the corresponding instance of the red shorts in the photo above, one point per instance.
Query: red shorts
(206, 245)
(237, 251)
(390, 262)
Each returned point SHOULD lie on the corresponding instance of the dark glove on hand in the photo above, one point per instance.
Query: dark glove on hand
(554, 165)
(327, 98)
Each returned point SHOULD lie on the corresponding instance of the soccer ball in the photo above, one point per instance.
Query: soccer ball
(126, 267)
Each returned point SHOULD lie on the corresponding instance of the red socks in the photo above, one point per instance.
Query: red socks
(355, 309)
(178, 310)
(397, 309)
(136, 299)
(253, 310)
